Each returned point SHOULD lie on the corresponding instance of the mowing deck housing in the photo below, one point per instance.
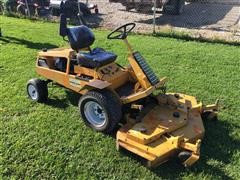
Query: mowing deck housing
(173, 126)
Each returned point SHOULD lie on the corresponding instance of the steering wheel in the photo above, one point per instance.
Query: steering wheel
(122, 31)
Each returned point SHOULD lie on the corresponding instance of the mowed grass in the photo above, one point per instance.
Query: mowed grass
(51, 141)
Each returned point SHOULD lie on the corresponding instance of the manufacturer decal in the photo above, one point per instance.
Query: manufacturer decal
(75, 82)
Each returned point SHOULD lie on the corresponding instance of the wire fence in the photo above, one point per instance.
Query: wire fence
(201, 18)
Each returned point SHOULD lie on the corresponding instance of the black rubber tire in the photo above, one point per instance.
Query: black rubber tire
(174, 7)
(96, 10)
(21, 9)
(184, 155)
(209, 116)
(55, 12)
(32, 10)
(111, 106)
(41, 90)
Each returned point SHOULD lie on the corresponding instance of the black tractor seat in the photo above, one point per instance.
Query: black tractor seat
(81, 37)
(95, 58)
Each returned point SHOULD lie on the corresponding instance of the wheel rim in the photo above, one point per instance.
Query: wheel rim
(95, 113)
(32, 91)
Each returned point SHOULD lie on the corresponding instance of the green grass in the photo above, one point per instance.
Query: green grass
(50, 141)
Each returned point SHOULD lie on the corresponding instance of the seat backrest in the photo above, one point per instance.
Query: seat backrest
(79, 37)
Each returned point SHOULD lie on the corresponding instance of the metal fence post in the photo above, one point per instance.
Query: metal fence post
(154, 16)
(28, 11)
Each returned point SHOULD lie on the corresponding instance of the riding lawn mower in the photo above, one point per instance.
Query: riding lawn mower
(150, 122)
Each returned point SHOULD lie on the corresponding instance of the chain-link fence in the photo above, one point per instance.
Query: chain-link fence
(201, 18)
(198, 18)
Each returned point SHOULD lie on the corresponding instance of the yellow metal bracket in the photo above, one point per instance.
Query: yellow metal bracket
(195, 149)
(212, 107)
(203, 108)
(191, 160)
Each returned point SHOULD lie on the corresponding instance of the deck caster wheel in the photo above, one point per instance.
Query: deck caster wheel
(210, 116)
(184, 155)
(149, 164)
(101, 111)
(37, 90)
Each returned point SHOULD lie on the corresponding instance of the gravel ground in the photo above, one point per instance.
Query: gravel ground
(209, 20)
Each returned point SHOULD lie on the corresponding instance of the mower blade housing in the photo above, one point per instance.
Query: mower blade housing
(173, 126)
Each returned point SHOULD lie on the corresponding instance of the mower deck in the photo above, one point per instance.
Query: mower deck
(172, 126)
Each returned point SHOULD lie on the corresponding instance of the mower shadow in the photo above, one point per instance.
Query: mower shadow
(57, 103)
(28, 44)
(71, 97)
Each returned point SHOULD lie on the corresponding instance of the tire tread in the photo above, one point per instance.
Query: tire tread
(112, 104)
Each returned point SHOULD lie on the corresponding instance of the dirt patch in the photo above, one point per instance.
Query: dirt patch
(208, 20)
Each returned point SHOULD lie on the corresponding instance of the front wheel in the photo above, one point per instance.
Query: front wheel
(37, 90)
(101, 111)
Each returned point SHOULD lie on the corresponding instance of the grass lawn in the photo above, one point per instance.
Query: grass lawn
(50, 140)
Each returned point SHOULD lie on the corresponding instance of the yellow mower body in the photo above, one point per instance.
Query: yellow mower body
(166, 125)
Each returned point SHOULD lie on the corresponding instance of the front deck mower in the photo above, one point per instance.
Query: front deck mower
(155, 126)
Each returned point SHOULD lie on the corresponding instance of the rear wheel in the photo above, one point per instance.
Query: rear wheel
(37, 90)
(32, 11)
(21, 9)
(101, 111)
(55, 12)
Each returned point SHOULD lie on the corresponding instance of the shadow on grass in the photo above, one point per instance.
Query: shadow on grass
(218, 147)
(57, 103)
(28, 44)
(71, 97)
(187, 37)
